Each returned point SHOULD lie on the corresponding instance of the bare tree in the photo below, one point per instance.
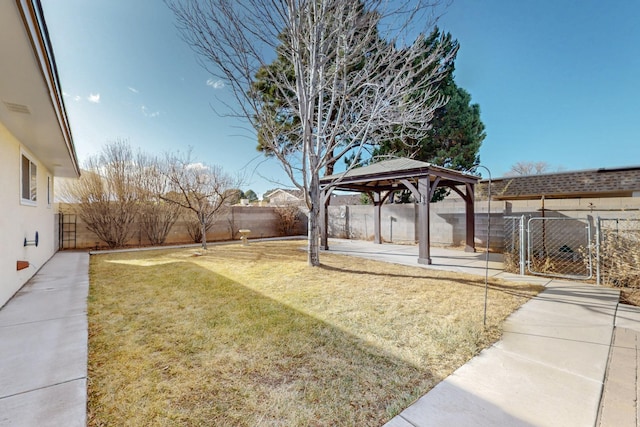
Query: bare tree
(157, 216)
(200, 188)
(194, 228)
(530, 168)
(106, 195)
(351, 78)
(288, 218)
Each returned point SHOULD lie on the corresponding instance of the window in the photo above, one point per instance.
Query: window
(28, 182)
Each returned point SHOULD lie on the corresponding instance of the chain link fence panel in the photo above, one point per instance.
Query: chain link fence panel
(619, 252)
(559, 247)
(514, 247)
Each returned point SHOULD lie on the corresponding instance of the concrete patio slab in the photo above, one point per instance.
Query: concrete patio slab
(628, 316)
(620, 395)
(581, 358)
(450, 406)
(43, 356)
(50, 304)
(536, 280)
(399, 422)
(502, 389)
(42, 353)
(442, 259)
(54, 406)
(619, 405)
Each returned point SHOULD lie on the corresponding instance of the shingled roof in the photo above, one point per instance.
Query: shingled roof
(603, 182)
(385, 174)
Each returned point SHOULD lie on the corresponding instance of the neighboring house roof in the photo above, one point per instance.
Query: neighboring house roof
(285, 194)
(31, 104)
(603, 182)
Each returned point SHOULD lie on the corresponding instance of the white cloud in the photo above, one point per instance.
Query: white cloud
(74, 97)
(94, 97)
(147, 113)
(133, 89)
(197, 166)
(216, 84)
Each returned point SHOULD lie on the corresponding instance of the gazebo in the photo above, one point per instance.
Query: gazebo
(379, 180)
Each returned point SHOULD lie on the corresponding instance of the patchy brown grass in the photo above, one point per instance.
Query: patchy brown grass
(250, 335)
(630, 296)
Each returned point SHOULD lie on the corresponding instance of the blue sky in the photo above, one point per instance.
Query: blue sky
(557, 81)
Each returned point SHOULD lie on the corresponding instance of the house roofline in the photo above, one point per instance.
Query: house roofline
(35, 24)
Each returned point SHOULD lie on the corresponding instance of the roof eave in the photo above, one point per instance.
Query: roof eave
(32, 82)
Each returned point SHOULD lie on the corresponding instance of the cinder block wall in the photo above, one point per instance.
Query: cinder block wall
(262, 221)
(447, 219)
(398, 221)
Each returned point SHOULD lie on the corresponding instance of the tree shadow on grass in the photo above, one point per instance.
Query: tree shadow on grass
(178, 344)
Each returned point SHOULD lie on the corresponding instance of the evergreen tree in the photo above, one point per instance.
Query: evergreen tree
(453, 142)
(457, 131)
(251, 196)
(455, 137)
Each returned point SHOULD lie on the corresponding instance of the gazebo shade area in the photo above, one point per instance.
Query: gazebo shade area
(381, 179)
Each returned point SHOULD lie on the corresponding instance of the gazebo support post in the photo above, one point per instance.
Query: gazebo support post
(383, 178)
(377, 214)
(424, 249)
(471, 223)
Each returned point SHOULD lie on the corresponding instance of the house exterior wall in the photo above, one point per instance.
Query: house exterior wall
(18, 221)
(282, 198)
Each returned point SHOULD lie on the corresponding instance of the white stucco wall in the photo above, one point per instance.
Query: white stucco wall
(18, 221)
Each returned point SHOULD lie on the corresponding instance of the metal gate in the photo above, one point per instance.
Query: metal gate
(549, 246)
(559, 247)
(514, 257)
(67, 224)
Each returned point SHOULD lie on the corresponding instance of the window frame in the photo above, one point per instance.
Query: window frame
(32, 179)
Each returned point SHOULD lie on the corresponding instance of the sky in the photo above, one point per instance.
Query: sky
(557, 81)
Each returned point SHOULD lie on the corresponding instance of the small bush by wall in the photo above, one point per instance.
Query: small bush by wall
(262, 221)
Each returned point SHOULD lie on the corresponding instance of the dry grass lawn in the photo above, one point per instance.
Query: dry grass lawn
(250, 336)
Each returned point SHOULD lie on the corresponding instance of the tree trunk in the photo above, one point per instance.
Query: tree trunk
(314, 217)
(203, 227)
(328, 170)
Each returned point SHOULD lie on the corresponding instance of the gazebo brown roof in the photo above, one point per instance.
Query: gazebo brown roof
(420, 178)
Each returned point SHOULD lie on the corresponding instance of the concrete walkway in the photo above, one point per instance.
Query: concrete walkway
(550, 366)
(619, 404)
(43, 351)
